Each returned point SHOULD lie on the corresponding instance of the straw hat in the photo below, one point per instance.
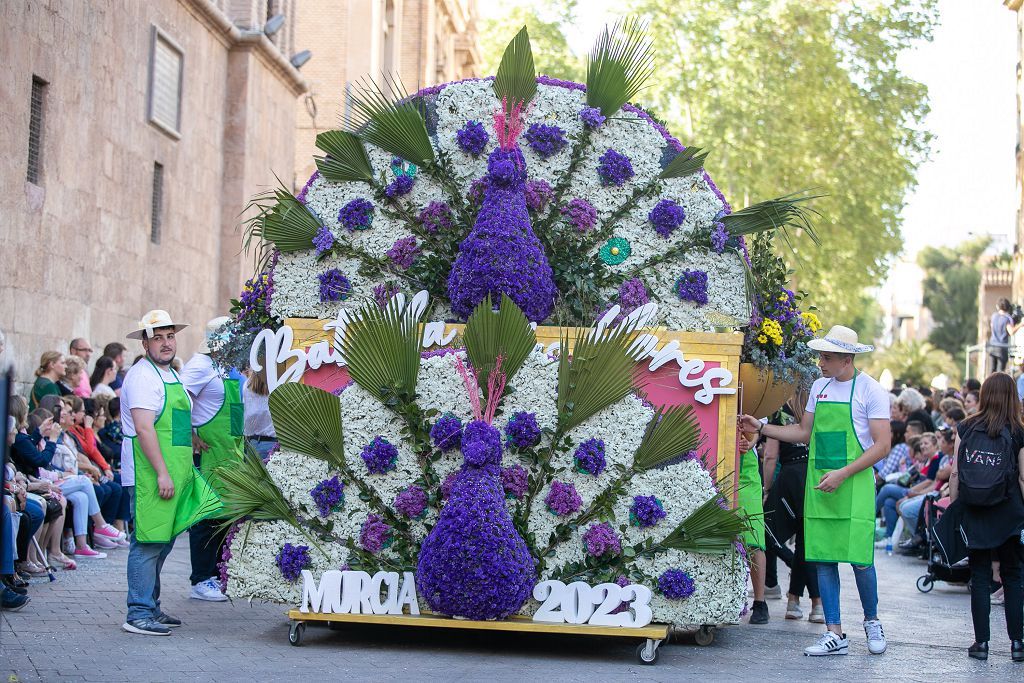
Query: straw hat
(211, 332)
(839, 340)
(154, 320)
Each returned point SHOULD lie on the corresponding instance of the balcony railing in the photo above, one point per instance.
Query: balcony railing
(997, 277)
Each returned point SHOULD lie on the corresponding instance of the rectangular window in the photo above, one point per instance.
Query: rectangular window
(165, 83)
(35, 131)
(157, 204)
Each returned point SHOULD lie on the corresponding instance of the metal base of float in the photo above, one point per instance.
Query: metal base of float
(652, 635)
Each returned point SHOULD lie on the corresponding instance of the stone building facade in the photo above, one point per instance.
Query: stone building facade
(134, 134)
(424, 42)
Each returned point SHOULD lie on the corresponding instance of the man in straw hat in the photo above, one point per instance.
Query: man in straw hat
(218, 420)
(168, 493)
(846, 424)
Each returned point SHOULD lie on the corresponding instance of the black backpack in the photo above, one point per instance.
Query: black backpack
(986, 467)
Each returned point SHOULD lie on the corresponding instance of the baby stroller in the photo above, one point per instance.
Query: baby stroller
(947, 546)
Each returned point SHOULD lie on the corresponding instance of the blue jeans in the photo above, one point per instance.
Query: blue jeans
(828, 584)
(125, 510)
(109, 495)
(145, 560)
(911, 511)
(31, 520)
(263, 448)
(885, 502)
(6, 540)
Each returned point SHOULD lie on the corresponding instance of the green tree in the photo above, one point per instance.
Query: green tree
(913, 363)
(545, 21)
(950, 288)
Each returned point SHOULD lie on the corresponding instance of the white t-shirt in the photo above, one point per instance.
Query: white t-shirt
(102, 390)
(257, 413)
(870, 402)
(143, 387)
(205, 384)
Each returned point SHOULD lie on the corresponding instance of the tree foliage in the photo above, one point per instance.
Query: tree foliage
(950, 287)
(547, 37)
(912, 363)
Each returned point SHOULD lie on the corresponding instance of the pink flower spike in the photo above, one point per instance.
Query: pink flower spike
(469, 379)
(509, 124)
(495, 388)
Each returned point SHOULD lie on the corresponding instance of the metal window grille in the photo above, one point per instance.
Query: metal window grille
(165, 83)
(35, 131)
(157, 204)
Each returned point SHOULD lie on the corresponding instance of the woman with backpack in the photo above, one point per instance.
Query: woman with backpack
(988, 480)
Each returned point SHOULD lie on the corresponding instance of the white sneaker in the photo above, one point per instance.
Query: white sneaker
(817, 615)
(876, 637)
(104, 542)
(881, 544)
(793, 611)
(208, 590)
(828, 644)
(770, 592)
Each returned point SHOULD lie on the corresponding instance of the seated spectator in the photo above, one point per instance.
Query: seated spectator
(940, 465)
(972, 402)
(103, 375)
(899, 459)
(911, 406)
(74, 372)
(954, 417)
(888, 497)
(14, 597)
(914, 428)
(81, 348)
(50, 371)
(115, 352)
(110, 434)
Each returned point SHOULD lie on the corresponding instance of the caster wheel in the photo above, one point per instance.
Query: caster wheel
(925, 584)
(705, 636)
(647, 653)
(295, 633)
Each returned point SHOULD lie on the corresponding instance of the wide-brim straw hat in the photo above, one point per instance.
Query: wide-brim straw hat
(154, 320)
(211, 332)
(840, 340)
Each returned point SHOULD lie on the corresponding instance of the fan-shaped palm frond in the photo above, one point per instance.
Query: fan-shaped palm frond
(282, 219)
(382, 348)
(505, 332)
(671, 432)
(690, 160)
(780, 214)
(516, 78)
(248, 491)
(346, 158)
(620, 63)
(388, 118)
(308, 420)
(709, 529)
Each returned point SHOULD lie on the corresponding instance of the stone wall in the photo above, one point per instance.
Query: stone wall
(77, 255)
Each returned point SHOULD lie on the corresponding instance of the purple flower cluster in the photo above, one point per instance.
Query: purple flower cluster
(403, 252)
(688, 456)
(601, 539)
(589, 457)
(646, 511)
(621, 581)
(481, 444)
(292, 559)
(580, 213)
(383, 292)
(666, 216)
(501, 255)
(323, 240)
(411, 502)
(301, 196)
(592, 117)
(675, 584)
(254, 301)
(562, 499)
(447, 432)
(522, 430)
(692, 285)
(538, 195)
(334, 285)
(375, 535)
(632, 295)
(357, 214)
(545, 140)
(719, 237)
(401, 185)
(225, 556)
(448, 484)
(515, 481)
(436, 216)
(614, 168)
(477, 191)
(472, 138)
(328, 495)
(379, 455)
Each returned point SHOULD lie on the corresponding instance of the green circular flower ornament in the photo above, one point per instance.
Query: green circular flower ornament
(615, 251)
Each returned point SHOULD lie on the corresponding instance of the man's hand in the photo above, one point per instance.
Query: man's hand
(198, 444)
(166, 486)
(830, 481)
(748, 423)
(741, 441)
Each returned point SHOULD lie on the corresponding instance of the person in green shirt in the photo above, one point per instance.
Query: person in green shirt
(51, 369)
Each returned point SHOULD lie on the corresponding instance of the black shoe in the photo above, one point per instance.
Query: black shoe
(759, 612)
(10, 585)
(14, 581)
(978, 651)
(11, 601)
(1017, 650)
(146, 627)
(168, 620)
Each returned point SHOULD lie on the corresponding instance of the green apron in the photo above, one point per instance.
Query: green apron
(838, 526)
(749, 499)
(223, 433)
(158, 520)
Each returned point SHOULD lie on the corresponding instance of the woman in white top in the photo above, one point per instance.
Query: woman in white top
(102, 375)
(258, 427)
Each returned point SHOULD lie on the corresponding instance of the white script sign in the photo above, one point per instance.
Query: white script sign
(356, 592)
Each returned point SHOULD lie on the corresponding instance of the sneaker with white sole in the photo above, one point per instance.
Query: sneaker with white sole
(793, 611)
(817, 615)
(146, 627)
(829, 644)
(208, 590)
(108, 531)
(876, 637)
(104, 542)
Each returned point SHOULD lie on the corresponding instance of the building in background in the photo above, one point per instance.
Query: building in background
(424, 42)
(134, 135)
(902, 300)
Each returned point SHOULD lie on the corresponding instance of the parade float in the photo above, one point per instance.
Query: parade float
(502, 328)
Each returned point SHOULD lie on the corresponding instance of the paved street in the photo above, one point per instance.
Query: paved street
(71, 631)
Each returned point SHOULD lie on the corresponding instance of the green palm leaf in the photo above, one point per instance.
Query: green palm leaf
(709, 529)
(346, 158)
(690, 160)
(282, 219)
(516, 78)
(600, 373)
(670, 432)
(620, 63)
(308, 420)
(776, 214)
(248, 491)
(382, 349)
(505, 332)
(388, 118)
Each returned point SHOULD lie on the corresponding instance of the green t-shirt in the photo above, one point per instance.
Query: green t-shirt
(42, 387)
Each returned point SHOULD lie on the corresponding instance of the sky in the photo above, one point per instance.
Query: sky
(968, 185)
